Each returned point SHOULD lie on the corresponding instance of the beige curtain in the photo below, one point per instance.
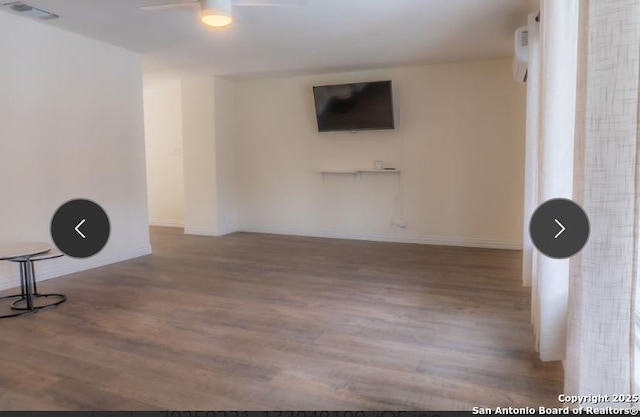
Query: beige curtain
(531, 148)
(558, 47)
(529, 253)
(600, 346)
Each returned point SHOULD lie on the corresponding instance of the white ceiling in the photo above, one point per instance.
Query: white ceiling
(324, 35)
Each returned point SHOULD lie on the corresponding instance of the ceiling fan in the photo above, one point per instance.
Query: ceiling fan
(217, 13)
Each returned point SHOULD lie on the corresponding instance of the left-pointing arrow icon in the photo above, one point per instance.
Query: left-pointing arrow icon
(560, 232)
(84, 220)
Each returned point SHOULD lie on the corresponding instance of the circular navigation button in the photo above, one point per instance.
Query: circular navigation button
(80, 228)
(559, 228)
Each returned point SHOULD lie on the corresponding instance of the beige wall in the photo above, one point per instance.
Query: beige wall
(459, 143)
(225, 156)
(253, 155)
(71, 126)
(210, 151)
(198, 135)
(163, 138)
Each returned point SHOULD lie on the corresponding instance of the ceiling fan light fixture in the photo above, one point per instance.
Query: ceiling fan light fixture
(215, 13)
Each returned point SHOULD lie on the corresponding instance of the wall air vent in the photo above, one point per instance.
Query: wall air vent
(30, 11)
(524, 38)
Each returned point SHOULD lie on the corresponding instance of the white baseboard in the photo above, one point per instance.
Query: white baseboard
(391, 237)
(200, 231)
(226, 230)
(165, 223)
(49, 270)
(208, 231)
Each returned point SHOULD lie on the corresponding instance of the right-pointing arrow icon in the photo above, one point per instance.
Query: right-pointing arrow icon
(84, 220)
(560, 232)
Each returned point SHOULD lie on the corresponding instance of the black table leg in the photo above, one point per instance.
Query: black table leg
(24, 294)
(23, 288)
(33, 277)
(28, 283)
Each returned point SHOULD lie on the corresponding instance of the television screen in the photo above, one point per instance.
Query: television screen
(358, 106)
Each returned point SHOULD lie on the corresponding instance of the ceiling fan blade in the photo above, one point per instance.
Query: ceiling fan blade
(270, 3)
(170, 5)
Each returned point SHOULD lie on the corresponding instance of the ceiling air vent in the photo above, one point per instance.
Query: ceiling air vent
(30, 11)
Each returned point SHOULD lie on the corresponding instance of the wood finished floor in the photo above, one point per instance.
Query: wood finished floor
(251, 321)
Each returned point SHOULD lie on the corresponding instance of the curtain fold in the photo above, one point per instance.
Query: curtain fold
(531, 148)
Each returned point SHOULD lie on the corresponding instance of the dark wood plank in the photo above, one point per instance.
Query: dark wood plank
(252, 321)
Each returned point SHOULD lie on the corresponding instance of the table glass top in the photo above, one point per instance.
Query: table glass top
(10, 250)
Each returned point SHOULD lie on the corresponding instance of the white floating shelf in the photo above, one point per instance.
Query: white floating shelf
(359, 171)
(338, 171)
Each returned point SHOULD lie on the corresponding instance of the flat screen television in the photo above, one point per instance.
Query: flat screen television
(357, 106)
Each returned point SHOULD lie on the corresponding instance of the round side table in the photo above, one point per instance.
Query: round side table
(27, 264)
(10, 251)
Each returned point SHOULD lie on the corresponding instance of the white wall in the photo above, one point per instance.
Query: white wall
(198, 135)
(71, 126)
(163, 138)
(209, 156)
(459, 143)
(225, 156)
